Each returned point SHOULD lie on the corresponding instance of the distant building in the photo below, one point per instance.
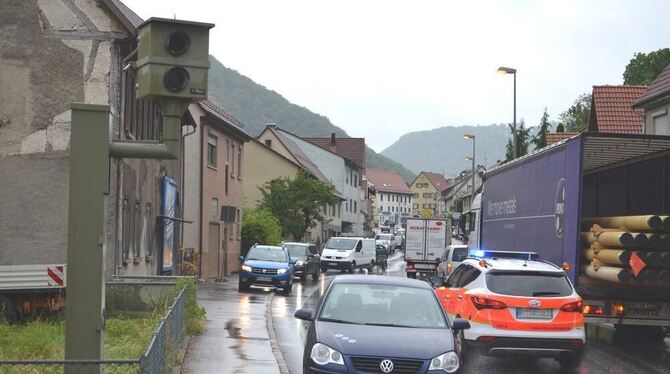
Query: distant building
(427, 187)
(393, 198)
(656, 103)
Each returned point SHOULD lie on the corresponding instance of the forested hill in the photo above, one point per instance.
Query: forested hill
(443, 150)
(255, 106)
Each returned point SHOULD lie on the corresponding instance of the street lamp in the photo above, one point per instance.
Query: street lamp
(504, 70)
(471, 137)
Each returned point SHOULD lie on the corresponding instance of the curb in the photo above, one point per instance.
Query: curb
(276, 350)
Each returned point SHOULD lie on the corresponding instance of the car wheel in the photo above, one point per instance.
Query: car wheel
(288, 289)
(570, 361)
(352, 269)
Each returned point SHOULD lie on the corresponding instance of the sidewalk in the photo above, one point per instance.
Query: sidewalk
(235, 339)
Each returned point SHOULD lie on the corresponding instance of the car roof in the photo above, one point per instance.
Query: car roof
(270, 247)
(513, 264)
(297, 243)
(381, 279)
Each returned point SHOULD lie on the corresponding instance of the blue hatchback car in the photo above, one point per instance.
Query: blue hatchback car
(378, 324)
(267, 266)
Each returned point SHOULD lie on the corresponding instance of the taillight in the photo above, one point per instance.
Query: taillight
(486, 303)
(573, 307)
(593, 309)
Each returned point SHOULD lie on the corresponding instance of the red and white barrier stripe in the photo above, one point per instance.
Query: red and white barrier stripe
(56, 275)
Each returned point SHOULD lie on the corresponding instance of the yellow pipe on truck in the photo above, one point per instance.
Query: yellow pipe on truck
(646, 222)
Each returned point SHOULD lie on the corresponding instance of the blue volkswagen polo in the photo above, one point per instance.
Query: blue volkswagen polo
(378, 324)
(267, 266)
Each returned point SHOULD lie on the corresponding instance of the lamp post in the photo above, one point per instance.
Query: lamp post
(504, 70)
(471, 137)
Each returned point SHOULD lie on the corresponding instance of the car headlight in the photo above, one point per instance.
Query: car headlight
(281, 271)
(323, 355)
(246, 268)
(299, 263)
(447, 362)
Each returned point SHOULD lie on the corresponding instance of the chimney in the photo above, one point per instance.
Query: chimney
(272, 124)
(333, 144)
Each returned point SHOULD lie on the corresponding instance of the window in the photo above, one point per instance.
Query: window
(268, 142)
(239, 162)
(381, 208)
(529, 284)
(148, 235)
(347, 178)
(211, 150)
(346, 206)
(226, 183)
(232, 168)
(381, 197)
(416, 195)
(138, 233)
(427, 195)
(227, 152)
(661, 123)
(416, 206)
(355, 206)
(355, 180)
(214, 209)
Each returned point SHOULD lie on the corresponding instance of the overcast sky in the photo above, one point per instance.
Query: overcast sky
(380, 69)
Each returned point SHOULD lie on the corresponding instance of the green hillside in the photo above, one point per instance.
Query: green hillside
(443, 150)
(255, 106)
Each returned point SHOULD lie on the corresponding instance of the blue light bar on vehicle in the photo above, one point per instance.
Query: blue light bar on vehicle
(479, 253)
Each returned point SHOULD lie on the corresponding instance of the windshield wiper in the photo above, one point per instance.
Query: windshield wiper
(388, 325)
(545, 293)
(338, 321)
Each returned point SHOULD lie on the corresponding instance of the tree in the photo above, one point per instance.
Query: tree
(576, 118)
(560, 127)
(643, 68)
(540, 139)
(259, 226)
(522, 138)
(297, 202)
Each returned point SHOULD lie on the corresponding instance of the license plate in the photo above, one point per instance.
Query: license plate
(525, 313)
(332, 264)
(424, 266)
(652, 310)
(264, 279)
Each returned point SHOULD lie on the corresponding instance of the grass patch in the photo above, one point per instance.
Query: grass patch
(195, 314)
(125, 338)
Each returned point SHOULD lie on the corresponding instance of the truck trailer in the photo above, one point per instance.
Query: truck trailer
(425, 241)
(537, 203)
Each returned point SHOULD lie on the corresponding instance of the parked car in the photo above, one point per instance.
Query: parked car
(516, 306)
(267, 266)
(378, 324)
(348, 254)
(306, 257)
(452, 257)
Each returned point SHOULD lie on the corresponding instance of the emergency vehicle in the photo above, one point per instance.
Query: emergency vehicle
(516, 304)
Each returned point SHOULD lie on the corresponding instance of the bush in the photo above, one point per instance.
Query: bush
(195, 314)
(259, 226)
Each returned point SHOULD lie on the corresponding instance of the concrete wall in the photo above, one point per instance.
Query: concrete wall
(261, 165)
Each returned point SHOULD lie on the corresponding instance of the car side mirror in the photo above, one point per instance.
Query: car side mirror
(292, 262)
(460, 324)
(306, 314)
(241, 258)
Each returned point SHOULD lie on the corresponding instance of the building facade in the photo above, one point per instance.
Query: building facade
(55, 53)
(427, 187)
(392, 199)
(213, 179)
(655, 101)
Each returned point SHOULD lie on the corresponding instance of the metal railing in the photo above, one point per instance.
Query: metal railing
(128, 295)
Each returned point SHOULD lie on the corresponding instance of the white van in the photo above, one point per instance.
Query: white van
(452, 257)
(347, 254)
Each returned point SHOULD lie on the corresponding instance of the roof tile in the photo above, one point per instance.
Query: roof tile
(387, 181)
(438, 180)
(614, 112)
(555, 137)
(350, 148)
(658, 88)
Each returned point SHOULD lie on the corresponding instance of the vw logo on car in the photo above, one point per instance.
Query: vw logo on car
(386, 366)
(534, 303)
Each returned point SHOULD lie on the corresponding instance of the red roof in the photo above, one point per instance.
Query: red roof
(349, 148)
(555, 137)
(130, 20)
(612, 110)
(387, 181)
(658, 88)
(438, 180)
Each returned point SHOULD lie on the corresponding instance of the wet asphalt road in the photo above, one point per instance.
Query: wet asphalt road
(599, 357)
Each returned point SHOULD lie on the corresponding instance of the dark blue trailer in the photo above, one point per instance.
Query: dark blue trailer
(536, 202)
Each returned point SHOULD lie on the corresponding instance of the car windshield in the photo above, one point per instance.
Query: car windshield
(341, 243)
(460, 254)
(296, 250)
(267, 254)
(382, 305)
(383, 237)
(529, 284)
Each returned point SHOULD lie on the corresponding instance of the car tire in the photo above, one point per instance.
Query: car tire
(570, 361)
